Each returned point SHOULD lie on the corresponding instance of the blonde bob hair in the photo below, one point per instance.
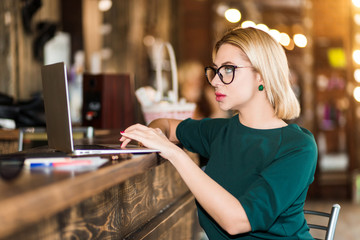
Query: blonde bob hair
(268, 58)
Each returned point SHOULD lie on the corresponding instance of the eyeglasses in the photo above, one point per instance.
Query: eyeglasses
(226, 73)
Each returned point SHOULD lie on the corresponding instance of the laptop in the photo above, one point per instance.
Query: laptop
(58, 119)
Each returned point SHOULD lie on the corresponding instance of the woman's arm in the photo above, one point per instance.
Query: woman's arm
(166, 125)
(222, 206)
(226, 210)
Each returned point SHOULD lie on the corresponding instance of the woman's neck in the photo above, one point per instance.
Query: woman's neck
(261, 117)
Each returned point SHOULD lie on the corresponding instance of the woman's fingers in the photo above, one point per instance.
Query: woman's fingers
(149, 137)
(136, 127)
(125, 142)
(136, 132)
(139, 135)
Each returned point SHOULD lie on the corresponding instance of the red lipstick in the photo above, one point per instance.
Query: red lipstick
(219, 96)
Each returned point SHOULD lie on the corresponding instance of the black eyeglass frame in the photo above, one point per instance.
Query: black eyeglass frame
(217, 72)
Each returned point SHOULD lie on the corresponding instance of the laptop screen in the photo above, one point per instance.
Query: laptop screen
(57, 109)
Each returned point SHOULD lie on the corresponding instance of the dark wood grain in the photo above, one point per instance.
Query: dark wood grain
(109, 203)
(26, 207)
(176, 222)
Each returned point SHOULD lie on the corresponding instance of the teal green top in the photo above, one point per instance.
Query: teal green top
(267, 170)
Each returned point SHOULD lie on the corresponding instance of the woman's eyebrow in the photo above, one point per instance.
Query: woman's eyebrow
(224, 63)
(229, 63)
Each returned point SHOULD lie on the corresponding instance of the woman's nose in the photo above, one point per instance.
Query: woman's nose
(216, 81)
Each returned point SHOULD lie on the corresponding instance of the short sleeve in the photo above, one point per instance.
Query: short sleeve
(281, 183)
(197, 135)
(192, 136)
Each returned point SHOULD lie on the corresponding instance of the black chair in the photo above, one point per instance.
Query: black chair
(330, 227)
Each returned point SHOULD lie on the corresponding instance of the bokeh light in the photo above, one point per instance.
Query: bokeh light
(357, 94)
(284, 39)
(104, 5)
(357, 75)
(233, 15)
(263, 27)
(275, 34)
(300, 40)
(248, 23)
(356, 56)
(356, 3)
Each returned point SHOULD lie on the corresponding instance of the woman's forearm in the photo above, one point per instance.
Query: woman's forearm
(226, 210)
(167, 126)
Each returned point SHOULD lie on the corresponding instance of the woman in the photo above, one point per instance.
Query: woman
(259, 169)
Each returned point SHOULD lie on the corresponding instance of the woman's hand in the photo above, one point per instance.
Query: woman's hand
(149, 137)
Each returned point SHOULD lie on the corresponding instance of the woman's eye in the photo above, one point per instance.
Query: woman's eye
(228, 69)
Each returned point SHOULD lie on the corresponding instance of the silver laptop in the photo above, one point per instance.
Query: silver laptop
(58, 119)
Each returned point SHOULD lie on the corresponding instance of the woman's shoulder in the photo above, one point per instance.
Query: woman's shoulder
(296, 130)
(206, 125)
(299, 146)
(293, 134)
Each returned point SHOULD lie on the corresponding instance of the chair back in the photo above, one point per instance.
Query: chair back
(328, 228)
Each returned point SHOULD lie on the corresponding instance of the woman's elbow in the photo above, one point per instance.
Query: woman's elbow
(237, 227)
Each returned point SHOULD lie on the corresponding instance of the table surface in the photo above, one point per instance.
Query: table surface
(35, 194)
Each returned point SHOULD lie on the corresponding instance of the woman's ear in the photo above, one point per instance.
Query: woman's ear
(260, 82)
(259, 79)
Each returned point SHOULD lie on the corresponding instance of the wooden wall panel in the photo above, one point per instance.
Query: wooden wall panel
(20, 73)
(196, 35)
(8, 46)
(29, 68)
(331, 18)
(92, 19)
(130, 22)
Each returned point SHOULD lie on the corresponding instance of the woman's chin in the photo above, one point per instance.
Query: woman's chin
(223, 106)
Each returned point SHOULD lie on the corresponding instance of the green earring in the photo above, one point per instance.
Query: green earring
(261, 87)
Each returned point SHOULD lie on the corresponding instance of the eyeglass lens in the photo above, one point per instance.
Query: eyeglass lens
(225, 73)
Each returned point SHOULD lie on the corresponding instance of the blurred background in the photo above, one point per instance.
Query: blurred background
(114, 37)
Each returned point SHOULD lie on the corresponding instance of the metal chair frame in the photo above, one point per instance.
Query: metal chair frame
(331, 226)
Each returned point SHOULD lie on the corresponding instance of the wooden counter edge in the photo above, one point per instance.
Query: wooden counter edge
(30, 207)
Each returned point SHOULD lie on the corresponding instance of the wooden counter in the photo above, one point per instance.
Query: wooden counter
(142, 197)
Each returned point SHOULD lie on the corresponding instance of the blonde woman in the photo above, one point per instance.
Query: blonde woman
(259, 169)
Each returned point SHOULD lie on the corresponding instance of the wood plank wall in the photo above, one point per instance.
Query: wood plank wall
(8, 36)
(20, 72)
(130, 20)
